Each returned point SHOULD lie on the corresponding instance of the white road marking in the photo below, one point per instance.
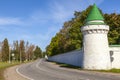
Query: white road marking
(47, 71)
(37, 65)
(17, 70)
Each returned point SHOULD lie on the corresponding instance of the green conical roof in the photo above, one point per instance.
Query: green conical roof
(94, 14)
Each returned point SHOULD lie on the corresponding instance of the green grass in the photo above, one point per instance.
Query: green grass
(76, 67)
(79, 68)
(3, 66)
(6, 64)
(111, 70)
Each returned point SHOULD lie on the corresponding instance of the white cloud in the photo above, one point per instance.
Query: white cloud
(58, 12)
(62, 10)
(10, 21)
(41, 39)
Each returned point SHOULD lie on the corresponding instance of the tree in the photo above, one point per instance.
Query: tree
(30, 52)
(27, 51)
(70, 37)
(16, 50)
(0, 51)
(113, 20)
(37, 52)
(44, 54)
(22, 50)
(5, 50)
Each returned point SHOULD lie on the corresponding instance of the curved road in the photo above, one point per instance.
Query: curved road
(43, 70)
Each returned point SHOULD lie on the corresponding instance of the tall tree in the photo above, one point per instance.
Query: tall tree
(16, 50)
(37, 52)
(113, 20)
(0, 51)
(5, 50)
(27, 51)
(22, 50)
(70, 36)
(30, 52)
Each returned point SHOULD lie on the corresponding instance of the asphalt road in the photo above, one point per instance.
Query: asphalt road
(43, 70)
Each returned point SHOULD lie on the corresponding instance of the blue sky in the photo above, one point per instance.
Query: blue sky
(37, 21)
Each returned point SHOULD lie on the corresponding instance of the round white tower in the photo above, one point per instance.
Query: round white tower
(95, 42)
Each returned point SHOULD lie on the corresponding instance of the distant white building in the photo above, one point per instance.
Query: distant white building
(96, 53)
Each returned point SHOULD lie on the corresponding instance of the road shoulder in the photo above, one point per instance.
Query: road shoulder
(11, 74)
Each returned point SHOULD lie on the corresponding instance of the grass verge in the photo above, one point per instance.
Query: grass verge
(111, 70)
(79, 68)
(3, 66)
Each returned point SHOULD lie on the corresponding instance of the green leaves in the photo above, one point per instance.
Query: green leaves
(37, 52)
(5, 50)
(113, 20)
(70, 37)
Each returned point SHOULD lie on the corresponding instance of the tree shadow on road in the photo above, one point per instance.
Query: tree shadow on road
(66, 65)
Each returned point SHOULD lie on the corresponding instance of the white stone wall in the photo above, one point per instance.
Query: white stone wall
(115, 57)
(76, 58)
(73, 58)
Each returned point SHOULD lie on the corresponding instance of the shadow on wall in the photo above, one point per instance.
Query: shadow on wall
(73, 58)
